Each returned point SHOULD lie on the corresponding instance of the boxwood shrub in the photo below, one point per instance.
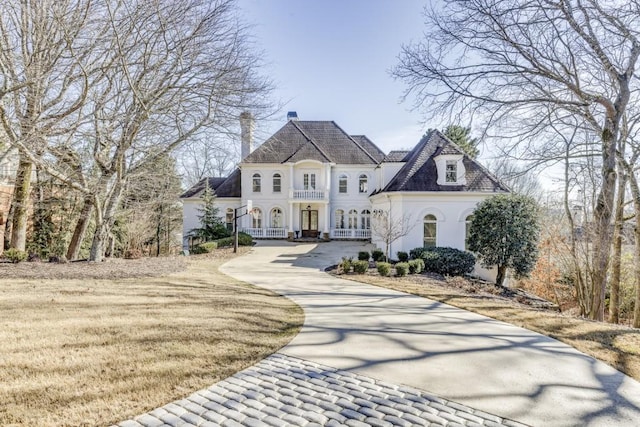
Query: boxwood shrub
(244, 239)
(402, 268)
(360, 266)
(445, 261)
(364, 256)
(384, 268)
(403, 256)
(416, 266)
(377, 255)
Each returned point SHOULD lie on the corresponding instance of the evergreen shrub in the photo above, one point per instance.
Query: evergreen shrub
(360, 266)
(384, 268)
(377, 255)
(364, 256)
(403, 256)
(401, 269)
(445, 261)
(15, 255)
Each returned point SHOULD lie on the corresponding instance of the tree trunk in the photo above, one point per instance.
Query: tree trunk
(104, 220)
(603, 213)
(20, 204)
(616, 257)
(502, 274)
(635, 194)
(81, 228)
(7, 228)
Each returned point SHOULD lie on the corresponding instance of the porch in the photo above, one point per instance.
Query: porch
(282, 233)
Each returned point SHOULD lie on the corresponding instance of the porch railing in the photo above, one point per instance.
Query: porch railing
(266, 233)
(353, 233)
(308, 194)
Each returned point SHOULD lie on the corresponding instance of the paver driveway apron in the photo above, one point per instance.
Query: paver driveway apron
(458, 355)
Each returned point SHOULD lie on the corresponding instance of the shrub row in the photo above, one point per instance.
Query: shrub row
(445, 261)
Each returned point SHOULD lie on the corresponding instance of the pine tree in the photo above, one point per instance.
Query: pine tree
(211, 225)
(462, 137)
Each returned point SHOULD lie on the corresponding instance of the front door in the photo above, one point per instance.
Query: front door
(309, 223)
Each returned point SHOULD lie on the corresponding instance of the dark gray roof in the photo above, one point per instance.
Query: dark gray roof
(222, 187)
(371, 148)
(199, 187)
(397, 156)
(420, 174)
(323, 141)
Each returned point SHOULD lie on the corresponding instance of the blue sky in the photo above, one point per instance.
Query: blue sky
(330, 60)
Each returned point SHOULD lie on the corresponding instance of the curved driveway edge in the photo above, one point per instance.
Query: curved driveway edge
(461, 356)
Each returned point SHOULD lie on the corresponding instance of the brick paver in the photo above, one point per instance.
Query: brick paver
(286, 391)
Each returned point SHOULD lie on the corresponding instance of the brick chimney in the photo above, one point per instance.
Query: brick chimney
(246, 133)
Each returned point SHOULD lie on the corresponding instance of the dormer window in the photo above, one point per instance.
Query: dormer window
(450, 169)
(451, 173)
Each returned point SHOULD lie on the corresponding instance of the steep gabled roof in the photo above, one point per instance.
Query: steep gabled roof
(222, 187)
(419, 173)
(323, 141)
(370, 147)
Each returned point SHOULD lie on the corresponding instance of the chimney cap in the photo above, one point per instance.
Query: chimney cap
(292, 115)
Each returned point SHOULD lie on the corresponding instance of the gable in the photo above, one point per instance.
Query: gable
(222, 187)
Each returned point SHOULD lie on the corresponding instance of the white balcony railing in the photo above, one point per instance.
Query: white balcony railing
(345, 233)
(266, 233)
(308, 194)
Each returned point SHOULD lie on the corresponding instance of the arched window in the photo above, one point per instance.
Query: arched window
(339, 219)
(256, 218)
(363, 184)
(276, 218)
(277, 183)
(257, 183)
(353, 218)
(229, 219)
(342, 184)
(365, 220)
(467, 228)
(430, 231)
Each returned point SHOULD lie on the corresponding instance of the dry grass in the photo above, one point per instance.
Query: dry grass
(616, 345)
(96, 352)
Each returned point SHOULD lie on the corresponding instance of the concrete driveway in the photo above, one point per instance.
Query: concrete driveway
(458, 355)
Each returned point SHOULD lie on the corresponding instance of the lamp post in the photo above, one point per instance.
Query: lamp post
(249, 207)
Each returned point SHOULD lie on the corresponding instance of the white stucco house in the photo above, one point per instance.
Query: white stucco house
(311, 179)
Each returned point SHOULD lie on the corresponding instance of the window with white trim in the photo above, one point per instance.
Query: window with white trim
(257, 183)
(467, 228)
(430, 231)
(365, 220)
(339, 219)
(277, 183)
(276, 218)
(363, 183)
(353, 219)
(309, 181)
(342, 184)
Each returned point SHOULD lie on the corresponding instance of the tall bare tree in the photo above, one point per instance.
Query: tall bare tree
(43, 80)
(510, 60)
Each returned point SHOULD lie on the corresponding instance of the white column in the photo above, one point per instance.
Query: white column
(290, 177)
(326, 218)
(290, 216)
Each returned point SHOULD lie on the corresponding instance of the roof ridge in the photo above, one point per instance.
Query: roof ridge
(356, 142)
(405, 170)
(308, 139)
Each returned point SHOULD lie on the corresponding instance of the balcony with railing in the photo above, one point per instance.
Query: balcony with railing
(351, 233)
(266, 233)
(308, 195)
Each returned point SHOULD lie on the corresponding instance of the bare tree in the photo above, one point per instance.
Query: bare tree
(389, 228)
(509, 61)
(43, 80)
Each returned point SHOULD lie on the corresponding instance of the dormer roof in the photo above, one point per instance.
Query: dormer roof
(419, 173)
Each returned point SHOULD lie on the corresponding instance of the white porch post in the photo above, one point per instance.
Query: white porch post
(290, 217)
(326, 218)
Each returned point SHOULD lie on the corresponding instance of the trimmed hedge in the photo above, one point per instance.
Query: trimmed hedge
(363, 256)
(445, 261)
(401, 269)
(377, 255)
(384, 268)
(403, 256)
(360, 266)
